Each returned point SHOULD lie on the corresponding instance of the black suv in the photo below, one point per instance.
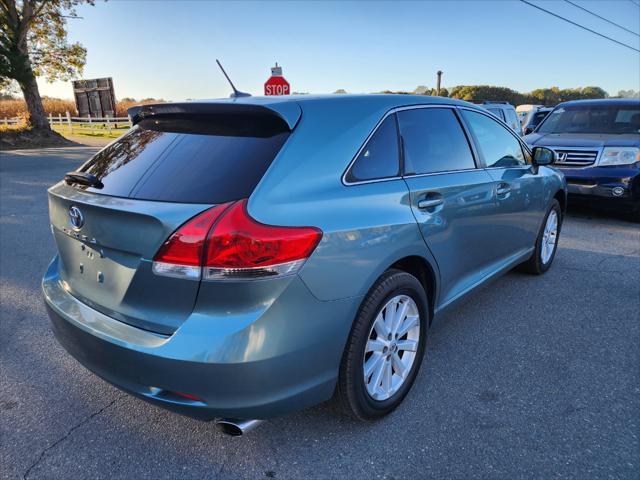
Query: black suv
(597, 143)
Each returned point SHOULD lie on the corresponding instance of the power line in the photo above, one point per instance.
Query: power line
(601, 18)
(635, 3)
(581, 26)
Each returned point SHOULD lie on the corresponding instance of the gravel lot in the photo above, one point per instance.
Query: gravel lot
(532, 377)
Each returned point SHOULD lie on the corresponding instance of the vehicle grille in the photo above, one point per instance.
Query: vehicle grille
(575, 158)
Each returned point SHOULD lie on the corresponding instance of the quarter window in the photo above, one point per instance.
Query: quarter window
(512, 119)
(380, 156)
(433, 141)
(497, 112)
(497, 145)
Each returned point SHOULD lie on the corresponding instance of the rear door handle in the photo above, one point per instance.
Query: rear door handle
(503, 189)
(430, 202)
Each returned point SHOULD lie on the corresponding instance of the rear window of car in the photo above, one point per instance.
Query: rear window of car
(189, 160)
(537, 118)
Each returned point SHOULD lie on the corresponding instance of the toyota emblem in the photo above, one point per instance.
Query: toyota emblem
(76, 217)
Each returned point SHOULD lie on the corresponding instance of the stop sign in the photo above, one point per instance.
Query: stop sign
(276, 85)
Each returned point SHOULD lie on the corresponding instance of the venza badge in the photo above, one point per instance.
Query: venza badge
(76, 217)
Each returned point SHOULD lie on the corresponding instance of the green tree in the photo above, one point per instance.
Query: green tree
(33, 43)
(480, 93)
(628, 94)
(593, 92)
(434, 92)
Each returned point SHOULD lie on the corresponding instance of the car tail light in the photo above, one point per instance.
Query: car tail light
(181, 254)
(224, 242)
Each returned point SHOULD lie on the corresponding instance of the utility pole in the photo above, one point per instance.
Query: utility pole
(439, 73)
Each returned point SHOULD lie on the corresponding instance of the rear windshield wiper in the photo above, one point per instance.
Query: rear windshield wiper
(83, 178)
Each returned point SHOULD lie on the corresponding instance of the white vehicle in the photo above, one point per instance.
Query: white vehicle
(523, 110)
(505, 112)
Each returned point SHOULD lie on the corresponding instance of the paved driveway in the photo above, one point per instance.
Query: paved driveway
(532, 377)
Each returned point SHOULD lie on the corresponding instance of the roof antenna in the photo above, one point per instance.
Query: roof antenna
(236, 93)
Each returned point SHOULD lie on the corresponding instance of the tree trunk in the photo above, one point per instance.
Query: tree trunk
(37, 117)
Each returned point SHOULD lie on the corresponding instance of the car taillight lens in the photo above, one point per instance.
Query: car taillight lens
(182, 253)
(226, 243)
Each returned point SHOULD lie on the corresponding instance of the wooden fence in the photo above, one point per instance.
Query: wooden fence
(86, 124)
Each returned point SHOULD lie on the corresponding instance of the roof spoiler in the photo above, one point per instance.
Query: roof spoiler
(287, 112)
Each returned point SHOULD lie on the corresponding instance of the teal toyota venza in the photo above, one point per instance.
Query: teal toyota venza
(244, 258)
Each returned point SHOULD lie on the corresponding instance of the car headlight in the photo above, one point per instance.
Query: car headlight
(619, 156)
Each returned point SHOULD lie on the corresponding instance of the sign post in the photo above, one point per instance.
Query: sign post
(276, 84)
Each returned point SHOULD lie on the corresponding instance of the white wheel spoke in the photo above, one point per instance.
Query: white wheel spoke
(372, 364)
(409, 322)
(401, 312)
(381, 327)
(378, 373)
(398, 366)
(386, 379)
(408, 345)
(376, 345)
(389, 316)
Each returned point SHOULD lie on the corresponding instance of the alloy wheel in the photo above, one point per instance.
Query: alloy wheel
(391, 347)
(549, 237)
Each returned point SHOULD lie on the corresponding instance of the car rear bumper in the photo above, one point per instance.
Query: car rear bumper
(249, 370)
(614, 185)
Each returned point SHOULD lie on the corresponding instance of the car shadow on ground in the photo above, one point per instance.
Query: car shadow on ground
(597, 214)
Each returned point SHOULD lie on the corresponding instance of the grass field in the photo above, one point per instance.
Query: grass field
(89, 130)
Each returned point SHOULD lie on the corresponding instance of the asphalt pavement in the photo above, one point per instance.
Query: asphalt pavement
(531, 377)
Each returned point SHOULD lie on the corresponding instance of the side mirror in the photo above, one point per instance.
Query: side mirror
(528, 130)
(543, 156)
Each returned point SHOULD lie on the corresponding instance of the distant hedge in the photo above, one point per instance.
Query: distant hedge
(544, 96)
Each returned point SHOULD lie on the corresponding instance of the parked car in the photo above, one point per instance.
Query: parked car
(533, 118)
(598, 147)
(241, 259)
(505, 112)
(522, 110)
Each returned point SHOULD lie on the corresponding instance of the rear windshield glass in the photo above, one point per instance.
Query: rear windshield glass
(593, 119)
(537, 118)
(187, 160)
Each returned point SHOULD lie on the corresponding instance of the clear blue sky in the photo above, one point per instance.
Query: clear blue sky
(167, 49)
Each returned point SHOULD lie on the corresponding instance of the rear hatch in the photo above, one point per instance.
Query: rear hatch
(177, 161)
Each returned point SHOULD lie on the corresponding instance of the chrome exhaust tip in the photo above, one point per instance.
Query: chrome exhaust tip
(235, 427)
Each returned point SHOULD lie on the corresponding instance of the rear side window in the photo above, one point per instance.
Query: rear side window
(497, 144)
(205, 160)
(433, 141)
(380, 156)
(512, 118)
(497, 112)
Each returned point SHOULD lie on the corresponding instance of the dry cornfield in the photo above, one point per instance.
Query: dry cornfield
(55, 107)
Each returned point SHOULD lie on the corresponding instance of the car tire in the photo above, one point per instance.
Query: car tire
(541, 259)
(362, 399)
